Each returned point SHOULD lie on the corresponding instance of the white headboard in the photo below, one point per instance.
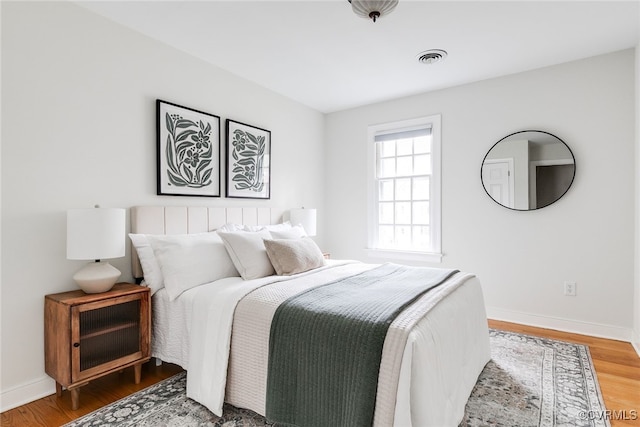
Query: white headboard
(193, 219)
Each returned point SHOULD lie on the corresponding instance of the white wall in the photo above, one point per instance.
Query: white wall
(78, 104)
(522, 258)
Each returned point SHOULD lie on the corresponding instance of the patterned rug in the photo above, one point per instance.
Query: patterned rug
(530, 381)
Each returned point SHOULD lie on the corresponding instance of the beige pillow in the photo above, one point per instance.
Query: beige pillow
(291, 256)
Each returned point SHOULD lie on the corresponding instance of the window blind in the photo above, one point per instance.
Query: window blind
(403, 134)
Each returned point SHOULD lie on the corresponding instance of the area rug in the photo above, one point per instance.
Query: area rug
(530, 381)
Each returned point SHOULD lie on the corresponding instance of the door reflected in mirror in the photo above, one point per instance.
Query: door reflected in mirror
(528, 170)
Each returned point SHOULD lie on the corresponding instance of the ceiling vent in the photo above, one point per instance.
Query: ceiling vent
(432, 56)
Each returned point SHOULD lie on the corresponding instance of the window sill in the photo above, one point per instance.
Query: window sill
(404, 255)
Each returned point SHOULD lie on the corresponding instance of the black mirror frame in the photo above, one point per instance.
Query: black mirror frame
(523, 131)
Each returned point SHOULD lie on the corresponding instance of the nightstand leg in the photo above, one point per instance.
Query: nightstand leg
(137, 371)
(58, 389)
(75, 398)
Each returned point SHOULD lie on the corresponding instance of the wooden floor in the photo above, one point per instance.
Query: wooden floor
(617, 366)
(53, 411)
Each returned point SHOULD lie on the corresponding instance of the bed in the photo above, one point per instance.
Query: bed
(219, 331)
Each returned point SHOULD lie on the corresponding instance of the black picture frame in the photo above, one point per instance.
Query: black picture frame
(188, 151)
(248, 161)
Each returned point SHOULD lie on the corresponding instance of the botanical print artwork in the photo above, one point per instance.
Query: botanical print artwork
(248, 154)
(248, 161)
(188, 151)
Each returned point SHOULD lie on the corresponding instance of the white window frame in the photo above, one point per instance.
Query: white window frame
(435, 205)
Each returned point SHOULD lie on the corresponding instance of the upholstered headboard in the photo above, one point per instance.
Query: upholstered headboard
(193, 219)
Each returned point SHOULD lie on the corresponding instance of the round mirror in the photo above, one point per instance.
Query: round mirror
(528, 170)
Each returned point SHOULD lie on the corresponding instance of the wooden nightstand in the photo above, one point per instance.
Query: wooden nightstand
(88, 336)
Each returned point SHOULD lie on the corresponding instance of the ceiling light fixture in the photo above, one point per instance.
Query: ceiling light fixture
(372, 9)
(432, 56)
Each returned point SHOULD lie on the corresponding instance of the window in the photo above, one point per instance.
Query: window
(404, 199)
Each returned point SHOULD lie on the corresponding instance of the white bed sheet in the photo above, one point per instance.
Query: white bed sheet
(443, 357)
(429, 394)
(171, 326)
(172, 320)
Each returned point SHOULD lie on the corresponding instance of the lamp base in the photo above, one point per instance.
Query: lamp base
(97, 277)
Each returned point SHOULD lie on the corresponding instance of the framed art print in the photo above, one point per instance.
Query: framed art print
(248, 161)
(188, 151)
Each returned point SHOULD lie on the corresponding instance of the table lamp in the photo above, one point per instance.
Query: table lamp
(306, 218)
(96, 234)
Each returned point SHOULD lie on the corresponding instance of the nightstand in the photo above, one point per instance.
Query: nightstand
(88, 336)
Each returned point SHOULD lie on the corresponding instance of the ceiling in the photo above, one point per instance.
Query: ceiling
(321, 54)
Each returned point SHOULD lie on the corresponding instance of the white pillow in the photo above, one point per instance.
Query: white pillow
(291, 256)
(295, 232)
(190, 260)
(273, 227)
(246, 249)
(152, 274)
(230, 226)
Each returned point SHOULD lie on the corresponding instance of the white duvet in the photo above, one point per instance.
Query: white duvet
(443, 356)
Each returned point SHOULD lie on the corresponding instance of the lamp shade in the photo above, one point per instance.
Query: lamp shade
(95, 233)
(306, 218)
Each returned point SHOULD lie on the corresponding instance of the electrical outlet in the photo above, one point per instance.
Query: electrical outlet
(570, 289)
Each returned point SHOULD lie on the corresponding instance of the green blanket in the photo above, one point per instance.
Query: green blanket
(326, 344)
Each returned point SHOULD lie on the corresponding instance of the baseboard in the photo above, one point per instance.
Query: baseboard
(636, 342)
(560, 324)
(25, 393)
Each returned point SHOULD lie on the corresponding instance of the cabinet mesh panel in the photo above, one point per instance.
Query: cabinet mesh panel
(109, 333)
